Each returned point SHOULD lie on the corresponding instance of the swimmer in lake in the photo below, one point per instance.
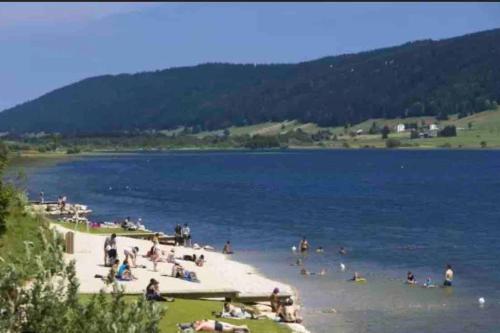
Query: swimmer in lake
(297, 263)
(410, 278)
(304, 245)
(304, 271)
(342, 251)
(428, 283)
(357, 278)
(320, 249)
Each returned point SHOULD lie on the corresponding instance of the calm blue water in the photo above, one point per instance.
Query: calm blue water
(393, 210)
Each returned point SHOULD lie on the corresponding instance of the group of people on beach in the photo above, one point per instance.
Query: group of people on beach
(182, 235)
(410, 279)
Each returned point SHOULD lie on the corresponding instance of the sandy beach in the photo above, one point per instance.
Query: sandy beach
(219, 274)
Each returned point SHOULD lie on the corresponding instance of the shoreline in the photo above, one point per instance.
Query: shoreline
(221, 273)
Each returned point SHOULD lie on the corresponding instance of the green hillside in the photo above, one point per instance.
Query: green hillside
(423, 78)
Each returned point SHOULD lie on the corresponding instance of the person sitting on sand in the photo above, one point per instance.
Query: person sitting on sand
(171, 256)
(342, 251)
(153, 291)
(227, 248)
(448, 276)
(131, 255)
(112, 272)
(275, 300)
(218, 326)
(410, 278)
(304, 245)
(177, 270)
(125, 273)
(289, 312)
(200, 261)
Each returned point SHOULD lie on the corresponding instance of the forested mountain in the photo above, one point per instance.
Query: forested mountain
(457, 75)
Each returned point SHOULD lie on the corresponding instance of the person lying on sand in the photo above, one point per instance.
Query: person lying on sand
(215, 326)
(289, 312)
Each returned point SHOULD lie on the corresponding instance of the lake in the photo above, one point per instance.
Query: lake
(393, 210)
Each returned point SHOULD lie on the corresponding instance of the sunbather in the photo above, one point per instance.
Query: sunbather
(218, 326)
(289, 312)
(200, 261)
(153, 291)
(124, 272)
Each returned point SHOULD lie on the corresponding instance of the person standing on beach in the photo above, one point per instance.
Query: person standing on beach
(178, 234)
(111, 242)
(275, 300)
(448, 276)
(227, 248)
(304, 245)
(186, 235)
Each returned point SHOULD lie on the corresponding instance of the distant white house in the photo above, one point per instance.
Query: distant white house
(400, 128)
(433, 127)
(359, 132)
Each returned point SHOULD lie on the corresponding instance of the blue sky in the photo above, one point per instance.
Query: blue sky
(44, 46)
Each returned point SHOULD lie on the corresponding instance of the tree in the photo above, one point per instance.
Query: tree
(447, 131)
(373, 128)
(385, 132)
(5, 193)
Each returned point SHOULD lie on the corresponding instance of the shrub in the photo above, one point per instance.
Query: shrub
(73, 150)
(385, 132)
(483, 144)
(392, 143)
(52, 303)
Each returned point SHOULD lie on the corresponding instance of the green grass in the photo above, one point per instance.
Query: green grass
(21, 228)
(83, 228)
(183, 311)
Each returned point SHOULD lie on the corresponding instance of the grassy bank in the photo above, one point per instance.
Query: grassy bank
(183, 311)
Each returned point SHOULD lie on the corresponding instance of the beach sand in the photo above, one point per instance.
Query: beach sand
(218, 274)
